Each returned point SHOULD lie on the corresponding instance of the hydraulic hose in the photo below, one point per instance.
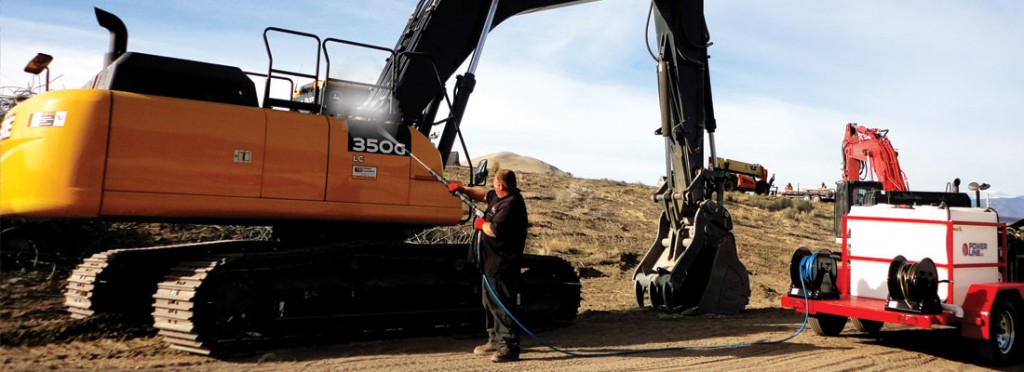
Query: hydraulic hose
(574, 354)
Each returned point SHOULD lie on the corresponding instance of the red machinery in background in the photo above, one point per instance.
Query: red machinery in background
(741, 176)
(872, 175)
(868, 150)
(913, 258)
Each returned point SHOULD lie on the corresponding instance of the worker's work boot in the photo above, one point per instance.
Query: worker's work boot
(505, 354)
(487, 348)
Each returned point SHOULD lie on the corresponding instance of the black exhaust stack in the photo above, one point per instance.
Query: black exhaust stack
(118, 35)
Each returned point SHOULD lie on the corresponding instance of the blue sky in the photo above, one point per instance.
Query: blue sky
(575, 86)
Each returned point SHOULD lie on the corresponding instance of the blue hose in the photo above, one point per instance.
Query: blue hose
(804, 272)
(807, 268)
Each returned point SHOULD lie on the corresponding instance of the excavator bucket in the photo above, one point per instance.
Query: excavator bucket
(696, 270)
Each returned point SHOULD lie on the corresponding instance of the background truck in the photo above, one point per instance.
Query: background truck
(812, 194)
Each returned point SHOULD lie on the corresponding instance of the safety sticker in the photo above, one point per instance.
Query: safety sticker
(47, 119)
(363, 172)
(7, 127)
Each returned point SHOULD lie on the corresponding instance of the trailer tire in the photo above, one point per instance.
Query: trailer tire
(827, 324)
(866, 326)
(1001, 347)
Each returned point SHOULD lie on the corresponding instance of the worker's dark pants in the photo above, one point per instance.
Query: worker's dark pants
(501, 330)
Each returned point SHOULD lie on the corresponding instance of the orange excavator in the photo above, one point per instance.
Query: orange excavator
(872, 175)
(867, 153)
(343, 176)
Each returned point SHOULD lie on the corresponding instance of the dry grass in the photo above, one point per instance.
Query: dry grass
(603, 227)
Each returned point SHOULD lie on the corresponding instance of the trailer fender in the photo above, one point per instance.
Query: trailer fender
(978, 305)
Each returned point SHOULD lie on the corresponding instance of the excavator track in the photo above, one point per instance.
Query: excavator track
(121, 281)
(230, 296)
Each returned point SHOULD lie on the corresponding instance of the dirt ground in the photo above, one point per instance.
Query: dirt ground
(601, 227)
(609, 323)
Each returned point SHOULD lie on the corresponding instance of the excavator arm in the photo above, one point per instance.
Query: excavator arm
(693, 265)
(438, 38)
(867, 152)
(872, 175)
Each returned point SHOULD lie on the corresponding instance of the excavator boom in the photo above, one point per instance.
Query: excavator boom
(438, 38)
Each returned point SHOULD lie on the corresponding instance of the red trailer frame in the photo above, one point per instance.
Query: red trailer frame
(975, 310)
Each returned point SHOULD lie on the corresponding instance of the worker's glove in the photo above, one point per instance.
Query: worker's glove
(453, 187)
(479, 224)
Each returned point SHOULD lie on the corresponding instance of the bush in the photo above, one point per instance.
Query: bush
(803, 206)
(772, 204)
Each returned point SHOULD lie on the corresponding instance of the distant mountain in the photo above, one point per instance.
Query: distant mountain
(1010, 209)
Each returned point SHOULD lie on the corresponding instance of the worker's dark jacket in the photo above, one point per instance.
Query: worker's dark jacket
(503, 252)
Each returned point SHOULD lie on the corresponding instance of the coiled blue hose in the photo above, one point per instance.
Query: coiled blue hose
(807, 268)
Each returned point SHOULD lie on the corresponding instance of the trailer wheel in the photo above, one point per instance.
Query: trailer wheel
(828, 325)
(866, 326)
(1001, 347)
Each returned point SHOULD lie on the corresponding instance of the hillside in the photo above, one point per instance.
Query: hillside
(607, 226)
(602, 227)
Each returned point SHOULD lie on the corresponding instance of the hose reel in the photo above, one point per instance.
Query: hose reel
(819, 273)
(913, 287)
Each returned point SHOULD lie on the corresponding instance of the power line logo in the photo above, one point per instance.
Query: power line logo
(974, 249)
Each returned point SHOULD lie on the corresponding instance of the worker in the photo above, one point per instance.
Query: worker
(502, 240)
(823, 187)
(789, 187)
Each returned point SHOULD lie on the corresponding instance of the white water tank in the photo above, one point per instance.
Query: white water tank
(963, 243)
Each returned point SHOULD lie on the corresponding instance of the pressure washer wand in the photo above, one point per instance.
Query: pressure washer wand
(462, 196)
(465, 198)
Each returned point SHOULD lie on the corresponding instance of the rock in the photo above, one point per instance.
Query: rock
(589, 272)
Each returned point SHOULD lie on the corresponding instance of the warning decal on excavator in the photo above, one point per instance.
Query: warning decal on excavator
(47, 119)
(362, 172)
(378, 138)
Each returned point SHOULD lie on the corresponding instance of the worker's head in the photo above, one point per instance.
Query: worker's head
(504, 182)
